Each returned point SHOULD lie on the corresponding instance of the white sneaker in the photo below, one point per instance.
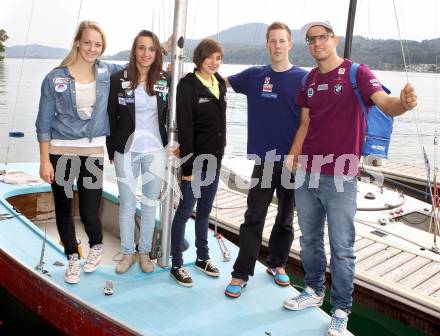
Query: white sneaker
(307, 298)
(73, 270)
(338, 324)
(93, 259)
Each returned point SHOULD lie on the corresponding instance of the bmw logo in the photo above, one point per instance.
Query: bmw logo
(338, 88)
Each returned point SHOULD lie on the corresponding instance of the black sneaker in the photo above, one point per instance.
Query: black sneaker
(181, 276)
(206, 266)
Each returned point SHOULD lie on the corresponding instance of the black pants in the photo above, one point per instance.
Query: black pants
(251, 230)
(88, 173)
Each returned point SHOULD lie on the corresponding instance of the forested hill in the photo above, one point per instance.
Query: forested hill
(245, 44)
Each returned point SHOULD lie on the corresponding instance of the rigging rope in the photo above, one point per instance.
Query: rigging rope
(435, 218)
(20, 77)
(416, 122)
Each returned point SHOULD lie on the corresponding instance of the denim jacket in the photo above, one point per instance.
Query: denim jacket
(57, 114)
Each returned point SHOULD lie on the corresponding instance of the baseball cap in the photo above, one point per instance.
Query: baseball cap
(309, 25)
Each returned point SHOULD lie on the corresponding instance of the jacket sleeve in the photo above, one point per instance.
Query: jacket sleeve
(184, 114)
(46, 111)
(112, 110)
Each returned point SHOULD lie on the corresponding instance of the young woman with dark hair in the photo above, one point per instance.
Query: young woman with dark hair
(201, 120)
(137, 109)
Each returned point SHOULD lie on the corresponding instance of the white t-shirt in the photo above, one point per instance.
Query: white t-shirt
(85, 99)
(146, 135)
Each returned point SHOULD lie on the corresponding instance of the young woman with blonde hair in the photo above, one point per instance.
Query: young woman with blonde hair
(72, 126)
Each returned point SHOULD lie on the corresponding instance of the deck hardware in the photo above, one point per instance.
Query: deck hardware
(379, 233)
(382, 221)
(108, 289)
(41, 262)
(5, 216)
(223, 248)
(58, 263)
(370, 196)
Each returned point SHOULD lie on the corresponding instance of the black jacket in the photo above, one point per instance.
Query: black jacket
(201, 120)
(121, 111)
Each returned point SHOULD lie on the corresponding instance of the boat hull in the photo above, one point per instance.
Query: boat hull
(64, 313)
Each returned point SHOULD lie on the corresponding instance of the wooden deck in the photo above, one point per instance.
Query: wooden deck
(400, 273)
(399, 171)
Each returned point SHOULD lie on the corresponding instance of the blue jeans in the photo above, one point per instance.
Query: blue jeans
(128, 166)
(193, 192)
(332, 197)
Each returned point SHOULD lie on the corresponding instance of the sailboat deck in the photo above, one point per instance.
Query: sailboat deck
(398, 269)
(153, 304)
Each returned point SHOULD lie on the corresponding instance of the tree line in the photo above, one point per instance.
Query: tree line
(3, 37)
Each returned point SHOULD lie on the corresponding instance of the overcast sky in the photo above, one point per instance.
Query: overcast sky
(53, 22)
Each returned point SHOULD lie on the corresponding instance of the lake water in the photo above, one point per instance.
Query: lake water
(20, 82)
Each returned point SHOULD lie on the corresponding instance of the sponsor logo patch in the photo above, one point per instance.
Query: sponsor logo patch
(267, 87)
(337, 88)
(310, 92)
(160, 88)
(60, 87)
(125, 84)
(272, 95)
(60, 80)
(323, 87)
(204, 100)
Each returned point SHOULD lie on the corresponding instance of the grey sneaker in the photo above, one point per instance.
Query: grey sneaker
(338, 324)
(145, 263)
(93, 259)
(307, 298)
(73, 270)
(125, 263)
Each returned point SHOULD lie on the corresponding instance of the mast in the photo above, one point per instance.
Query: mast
(179, 26)
(350, 28)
